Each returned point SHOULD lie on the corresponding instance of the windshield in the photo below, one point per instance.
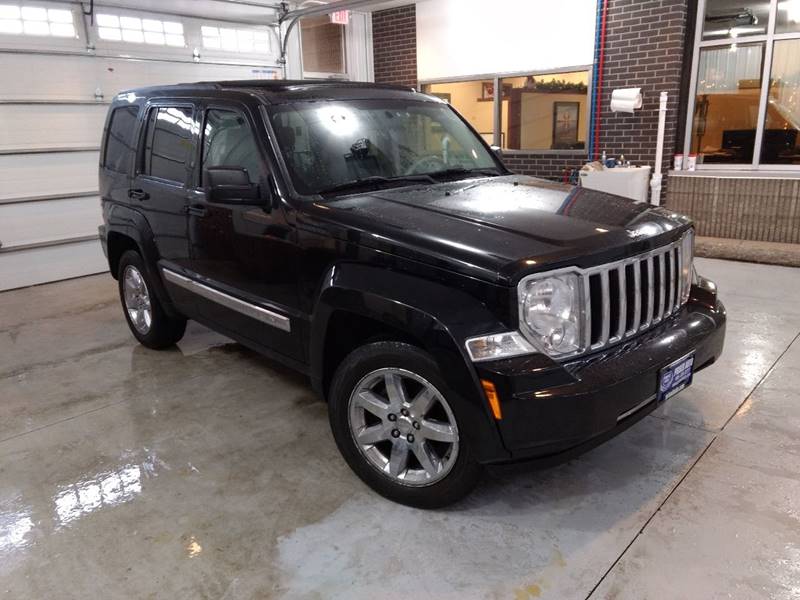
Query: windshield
(332, 146)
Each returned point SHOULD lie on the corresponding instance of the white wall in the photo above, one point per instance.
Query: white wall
(51, 124)
(457, 38)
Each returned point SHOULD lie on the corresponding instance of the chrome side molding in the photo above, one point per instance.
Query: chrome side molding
(246, 308)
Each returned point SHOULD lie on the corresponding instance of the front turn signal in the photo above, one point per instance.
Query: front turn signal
(493, 398)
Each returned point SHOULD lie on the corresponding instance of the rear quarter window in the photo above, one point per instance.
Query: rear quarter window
(119, 143)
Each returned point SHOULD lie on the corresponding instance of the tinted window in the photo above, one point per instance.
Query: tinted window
(228, 141)
(119, 145)
(168, 143)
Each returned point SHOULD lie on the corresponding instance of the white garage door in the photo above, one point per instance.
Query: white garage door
(57, 73)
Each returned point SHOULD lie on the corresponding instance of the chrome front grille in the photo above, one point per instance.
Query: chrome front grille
(628, 297)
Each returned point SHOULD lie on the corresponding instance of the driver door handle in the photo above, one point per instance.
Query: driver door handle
(138, 194)
(198, 210)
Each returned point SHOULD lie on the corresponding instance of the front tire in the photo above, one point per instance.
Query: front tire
(394, 421)
(146, 318)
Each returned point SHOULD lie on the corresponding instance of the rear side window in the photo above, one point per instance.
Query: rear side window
(168, 143)
(119, 145)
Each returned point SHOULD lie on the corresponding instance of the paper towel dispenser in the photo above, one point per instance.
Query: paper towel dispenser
(626, 100)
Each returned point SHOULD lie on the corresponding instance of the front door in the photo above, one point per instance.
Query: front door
(244, 254)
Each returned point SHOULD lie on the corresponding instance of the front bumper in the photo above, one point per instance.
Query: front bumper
(552, 411)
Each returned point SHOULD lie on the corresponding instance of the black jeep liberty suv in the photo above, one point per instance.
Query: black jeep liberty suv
(452, 314)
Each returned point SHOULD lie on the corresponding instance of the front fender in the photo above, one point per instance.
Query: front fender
(439, 317)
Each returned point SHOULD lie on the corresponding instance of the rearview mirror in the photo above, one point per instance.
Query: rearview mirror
(231, 185)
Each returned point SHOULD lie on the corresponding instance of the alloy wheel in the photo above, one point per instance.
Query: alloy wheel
(137, 299)
(403, 426)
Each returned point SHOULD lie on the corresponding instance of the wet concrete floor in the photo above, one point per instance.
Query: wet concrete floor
(206, 471)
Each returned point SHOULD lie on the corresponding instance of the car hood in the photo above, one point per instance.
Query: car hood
(501, 227)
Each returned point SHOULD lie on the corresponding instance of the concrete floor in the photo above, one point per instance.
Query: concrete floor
(209, 472)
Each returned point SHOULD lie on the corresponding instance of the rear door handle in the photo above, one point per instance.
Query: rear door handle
(197, 210)
(138, 195)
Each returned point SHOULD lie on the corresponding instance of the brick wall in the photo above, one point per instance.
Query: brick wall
(546, 165)
(394, 45)
(644, 48)
(764, 209)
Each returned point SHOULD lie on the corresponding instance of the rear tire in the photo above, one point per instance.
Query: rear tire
(395, 422)
(146, 318)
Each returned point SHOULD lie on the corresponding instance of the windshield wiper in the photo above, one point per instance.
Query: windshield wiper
(464, 171)
(375, 181)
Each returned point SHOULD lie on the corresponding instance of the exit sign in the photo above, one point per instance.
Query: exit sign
(342, 17)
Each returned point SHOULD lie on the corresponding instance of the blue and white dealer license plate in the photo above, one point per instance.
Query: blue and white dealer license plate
(675, 377)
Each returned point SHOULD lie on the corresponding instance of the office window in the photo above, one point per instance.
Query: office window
(545, 112)
(136, 30)
(36, 20)
(472, 99)
(119, 144)
(780, 144)
(537, 112)
(250, 41)
(745, 108)
(726, 104)
(727, 20)
(788, 18)
(168, 143)
(323, 45)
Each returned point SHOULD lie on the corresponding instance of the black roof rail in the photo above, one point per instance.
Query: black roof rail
(278, 84)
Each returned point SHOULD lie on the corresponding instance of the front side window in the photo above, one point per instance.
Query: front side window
(228, 141)
(119, 143)
(168, 143)
(745, 111)
(327, 145)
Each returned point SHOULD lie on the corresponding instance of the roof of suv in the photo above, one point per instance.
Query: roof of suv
(277, 91)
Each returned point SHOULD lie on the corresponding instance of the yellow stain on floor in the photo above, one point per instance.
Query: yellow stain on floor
(528, 592)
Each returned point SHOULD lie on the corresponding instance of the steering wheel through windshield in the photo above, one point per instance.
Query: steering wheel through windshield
(426, 164)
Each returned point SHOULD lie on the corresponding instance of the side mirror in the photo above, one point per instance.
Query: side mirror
(231, 185)
(498, 151)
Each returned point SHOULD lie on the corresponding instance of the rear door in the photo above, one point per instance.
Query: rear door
(164, 167)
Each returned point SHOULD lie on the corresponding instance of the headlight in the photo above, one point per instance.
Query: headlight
(551, 311)
(687, 268)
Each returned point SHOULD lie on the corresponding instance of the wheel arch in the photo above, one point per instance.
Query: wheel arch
(128, 229)
(359, 304)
